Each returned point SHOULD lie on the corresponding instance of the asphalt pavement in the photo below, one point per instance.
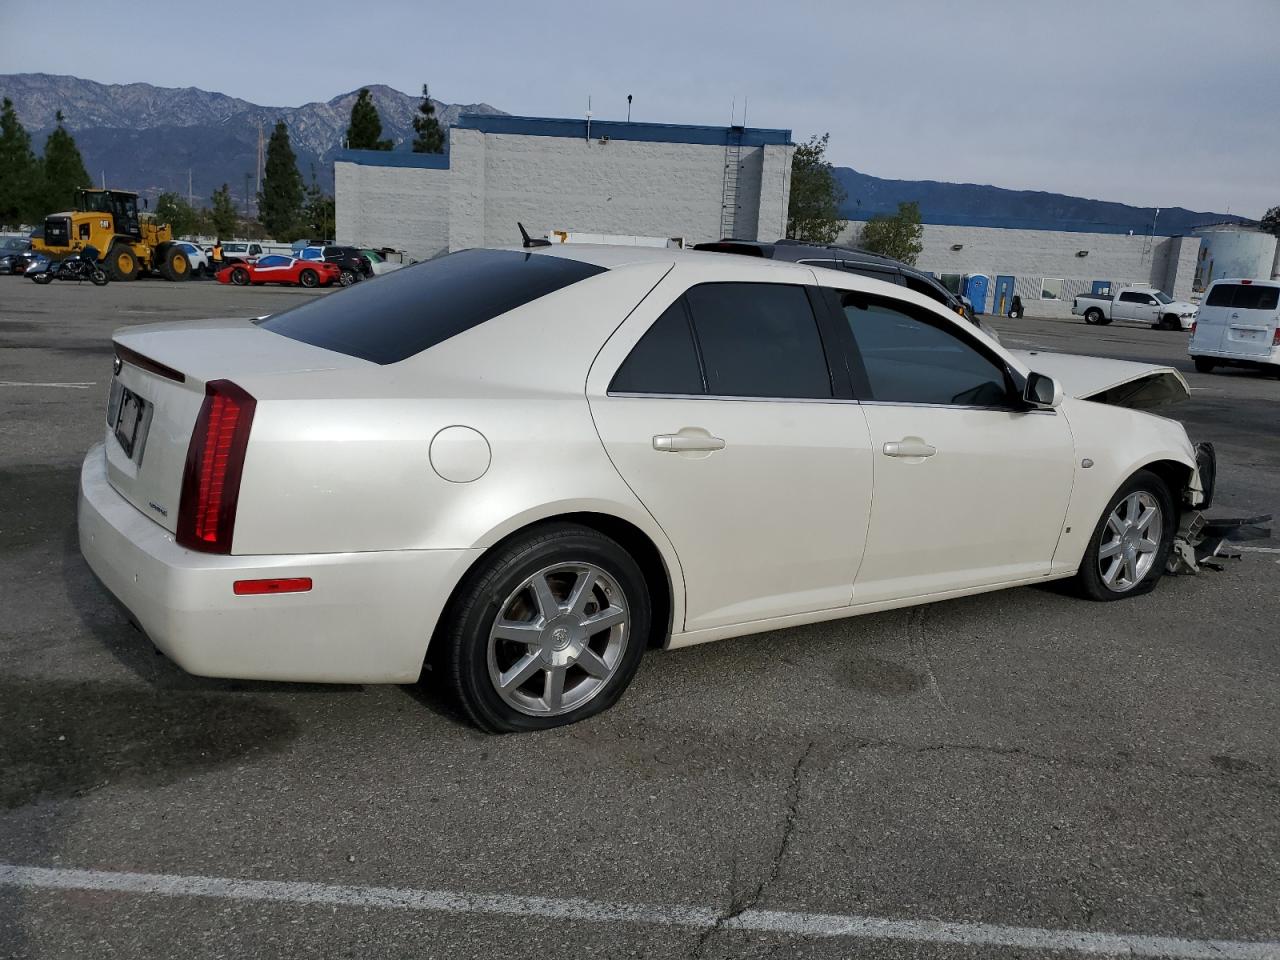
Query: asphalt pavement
(1017, 774)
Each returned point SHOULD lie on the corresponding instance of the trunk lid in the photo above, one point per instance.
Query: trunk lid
(159, 386)
(1120, 383)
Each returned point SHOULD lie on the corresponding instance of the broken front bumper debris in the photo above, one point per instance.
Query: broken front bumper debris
(1202, 542)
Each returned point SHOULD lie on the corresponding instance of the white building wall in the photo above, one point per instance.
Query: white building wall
(1030, 256)
(618, 187)
(775, 192)
(467, 190)
(402, 207)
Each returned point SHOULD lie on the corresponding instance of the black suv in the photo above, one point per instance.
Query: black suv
(853, 260)
(355, 265)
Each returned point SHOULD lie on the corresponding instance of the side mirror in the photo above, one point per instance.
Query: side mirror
(1042, 392)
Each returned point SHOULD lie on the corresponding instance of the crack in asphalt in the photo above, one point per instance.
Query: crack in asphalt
(918, 644)
(739, 905)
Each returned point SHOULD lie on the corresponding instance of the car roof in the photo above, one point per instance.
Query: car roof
(1247, 282)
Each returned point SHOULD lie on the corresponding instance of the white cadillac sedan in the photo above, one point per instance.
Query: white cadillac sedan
(531, 465)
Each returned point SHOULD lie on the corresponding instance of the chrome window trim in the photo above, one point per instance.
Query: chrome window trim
(866, 403)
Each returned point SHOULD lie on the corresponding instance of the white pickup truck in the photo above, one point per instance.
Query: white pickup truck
(1136, 303)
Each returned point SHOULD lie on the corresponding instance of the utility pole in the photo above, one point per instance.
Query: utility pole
(191, 197)
(247, 177)
(628, 108)
(260, 152)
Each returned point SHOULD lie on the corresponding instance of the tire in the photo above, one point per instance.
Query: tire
(98, 277)
(121, 263)
(1015, 314)
(550, 561)
(309, 278)
(175, 266)
(42, 278)
(240, 276)
(1203, 364)
(1169, 322)
(347, 277)
(1093, 316)
(1115, 564)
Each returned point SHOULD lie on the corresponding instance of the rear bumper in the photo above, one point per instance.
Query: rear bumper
(367, 619)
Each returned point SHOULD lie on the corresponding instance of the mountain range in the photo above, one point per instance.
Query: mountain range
(152, 139)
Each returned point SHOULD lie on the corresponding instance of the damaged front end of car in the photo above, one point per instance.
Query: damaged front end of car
(1203, 542)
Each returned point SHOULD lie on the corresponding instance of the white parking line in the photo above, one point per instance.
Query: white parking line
(81, 385)
(588, 911)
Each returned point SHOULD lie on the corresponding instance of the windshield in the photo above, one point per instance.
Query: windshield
(1162, 296)
(413, 309)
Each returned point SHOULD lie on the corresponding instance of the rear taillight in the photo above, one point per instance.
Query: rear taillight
(1193, 327)
(215, 461)
(1275, 338)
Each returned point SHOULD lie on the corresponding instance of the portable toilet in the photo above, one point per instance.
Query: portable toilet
(975, 288)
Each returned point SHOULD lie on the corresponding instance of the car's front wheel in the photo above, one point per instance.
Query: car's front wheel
(1130, 546)
(548, 630)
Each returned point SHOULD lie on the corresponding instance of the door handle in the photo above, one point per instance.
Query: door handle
(683, 443)
(909, 447)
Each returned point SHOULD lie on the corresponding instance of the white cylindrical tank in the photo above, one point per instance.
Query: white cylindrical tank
(1232, 250)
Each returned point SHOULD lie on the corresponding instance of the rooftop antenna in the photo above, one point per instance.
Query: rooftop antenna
(628, 108)
(588, 118)
(528, 241)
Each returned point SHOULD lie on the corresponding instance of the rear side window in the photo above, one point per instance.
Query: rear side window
(664, 361)
(1243, 296)
(759, 340)
(927, 289)
(414, 308)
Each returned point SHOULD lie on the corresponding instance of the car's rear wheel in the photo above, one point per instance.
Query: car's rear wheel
(548, 630)
(1093, 316)
(1130, 546)
(1203, 364)
(240, 276)
(309, 278)
(347, 277)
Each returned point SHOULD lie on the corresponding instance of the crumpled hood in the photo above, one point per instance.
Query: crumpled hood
(1121, 383)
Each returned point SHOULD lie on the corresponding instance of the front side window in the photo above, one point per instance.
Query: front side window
(1163, 297)
(910, 356)
(1051, 288)
(275, 261)
(759, 340)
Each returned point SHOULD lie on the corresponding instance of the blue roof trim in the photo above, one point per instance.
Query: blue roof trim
(619, 130)
(394, 158)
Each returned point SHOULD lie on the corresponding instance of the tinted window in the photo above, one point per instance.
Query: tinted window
(758, 340)
(1243, 296)
(417, 307)
(1131, 297)
(664, 361)
(924, 287)
(911, 357)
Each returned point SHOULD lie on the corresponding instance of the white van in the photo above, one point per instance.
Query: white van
(1238, 325)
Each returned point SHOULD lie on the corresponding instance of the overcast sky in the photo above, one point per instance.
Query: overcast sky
(1150, 102)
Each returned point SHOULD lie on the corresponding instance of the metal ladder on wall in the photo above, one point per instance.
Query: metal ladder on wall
(729, 191)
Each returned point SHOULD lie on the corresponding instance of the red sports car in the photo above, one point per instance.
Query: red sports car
(275, 268)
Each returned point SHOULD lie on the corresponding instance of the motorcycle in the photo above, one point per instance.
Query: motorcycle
(81, 265)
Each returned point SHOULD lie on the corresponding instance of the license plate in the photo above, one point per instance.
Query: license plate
(129, 420)
(1246, 336)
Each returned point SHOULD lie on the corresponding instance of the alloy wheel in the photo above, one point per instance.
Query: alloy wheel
(558, 639)
(1131, 541)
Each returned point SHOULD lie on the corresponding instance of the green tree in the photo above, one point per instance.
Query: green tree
(900, 236)
(319, 213)
(813, 213)
(365, 131)
(64, 171)
(428, 137)
(173, 210)
(19, 171)
(280, 202)
(1270, 221)
(223, 216)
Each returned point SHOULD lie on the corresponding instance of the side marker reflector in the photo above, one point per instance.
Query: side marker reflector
(250, 588)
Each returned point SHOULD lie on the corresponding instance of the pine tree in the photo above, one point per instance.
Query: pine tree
(223, 217)
(365, 130)
(19, 171)
(64, 171)
(280, 202)
(428, 137)
(319, 213)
